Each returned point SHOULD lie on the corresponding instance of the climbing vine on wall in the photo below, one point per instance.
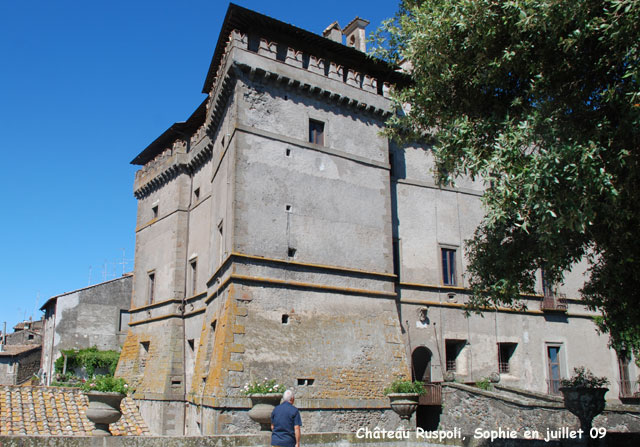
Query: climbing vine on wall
(89, 358)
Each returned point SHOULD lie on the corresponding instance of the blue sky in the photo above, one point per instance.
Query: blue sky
(84, 87)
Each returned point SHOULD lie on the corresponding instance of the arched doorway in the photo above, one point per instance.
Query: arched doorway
(421, 364)
(427, 416)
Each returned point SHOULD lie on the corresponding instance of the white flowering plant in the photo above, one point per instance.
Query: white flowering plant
(107, 384)
(265, 386)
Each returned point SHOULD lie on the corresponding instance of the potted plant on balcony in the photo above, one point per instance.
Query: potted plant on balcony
(105, 393)
(264, 395)
(584, 396)
(403, 396)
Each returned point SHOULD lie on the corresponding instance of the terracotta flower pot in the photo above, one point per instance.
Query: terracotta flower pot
(262, 406)
(103, 409)
(404, 404)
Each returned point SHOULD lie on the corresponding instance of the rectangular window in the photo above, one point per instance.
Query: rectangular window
(448, 266)
(124, 320)
(221, 241)
(193, 278)
(627, 387)
(154, 211)
(316, 132)
(505, 351)
(452, 351)
(547, 287)
(152, 287)
(553, 364)
(196, 194)
(144, 354)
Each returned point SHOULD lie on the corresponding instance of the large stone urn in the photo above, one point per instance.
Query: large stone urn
(404, 404)
(261, 407)
(103, 409)
(585, 403)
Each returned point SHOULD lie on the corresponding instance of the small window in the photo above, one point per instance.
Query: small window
(196, 194)
(30, 337)
(448, 267)
(452, 351)
(291, 252)
(154, 211)
(124, 320)
(285, 319)
(287, 152)
(144, 354)
(505, 351)
(316, 132)
(152, 287)
(288, 208)
(221, 241)
(305, 382)
(193, 276)
(192, 345)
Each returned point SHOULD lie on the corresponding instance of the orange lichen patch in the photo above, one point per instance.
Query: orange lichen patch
(54, 411)
(213, 360)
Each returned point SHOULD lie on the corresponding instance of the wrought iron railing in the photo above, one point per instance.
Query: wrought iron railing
(553, 302)
(629, 388)
(451, 365)
(433, 396)
(553, 386)
(503, 367)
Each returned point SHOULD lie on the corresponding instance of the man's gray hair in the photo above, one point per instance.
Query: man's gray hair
(288, 396)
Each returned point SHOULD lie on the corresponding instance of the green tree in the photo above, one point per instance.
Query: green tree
(541, 100)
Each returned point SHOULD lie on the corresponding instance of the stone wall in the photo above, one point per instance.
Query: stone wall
(469, 408)
(92, 316)
(308, 440)
(28, 365)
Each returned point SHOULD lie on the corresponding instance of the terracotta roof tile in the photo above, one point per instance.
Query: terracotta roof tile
(11, 350)
(57, 411)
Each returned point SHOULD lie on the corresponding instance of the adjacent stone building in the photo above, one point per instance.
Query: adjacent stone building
(280, 235)
(92, 316)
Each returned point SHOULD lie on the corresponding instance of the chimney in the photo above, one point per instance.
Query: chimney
(333, 32)
(4, 337)
(355, 34)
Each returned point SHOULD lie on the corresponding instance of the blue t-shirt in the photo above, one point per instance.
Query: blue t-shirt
(284, 417)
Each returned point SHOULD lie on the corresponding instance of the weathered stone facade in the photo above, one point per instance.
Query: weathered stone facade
(97, 315)
(280, 235)
(19, 363)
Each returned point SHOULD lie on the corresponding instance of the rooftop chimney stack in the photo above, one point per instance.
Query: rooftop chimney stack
(333, 32)
(356, 37)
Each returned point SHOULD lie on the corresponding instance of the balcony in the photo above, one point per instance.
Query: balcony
(553, 303)
(433, 396)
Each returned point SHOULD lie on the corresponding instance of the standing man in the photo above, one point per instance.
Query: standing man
(285, 423)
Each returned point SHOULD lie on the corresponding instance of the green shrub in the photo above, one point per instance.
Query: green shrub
(405, 386)
(484, 384)
(89, 358)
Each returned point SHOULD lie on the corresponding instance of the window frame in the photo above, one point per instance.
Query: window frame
(151, 286)
(449, 276)
(317, 130)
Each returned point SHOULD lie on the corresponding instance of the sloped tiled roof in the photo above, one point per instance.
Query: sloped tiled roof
(13, 350)
(54, 411)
